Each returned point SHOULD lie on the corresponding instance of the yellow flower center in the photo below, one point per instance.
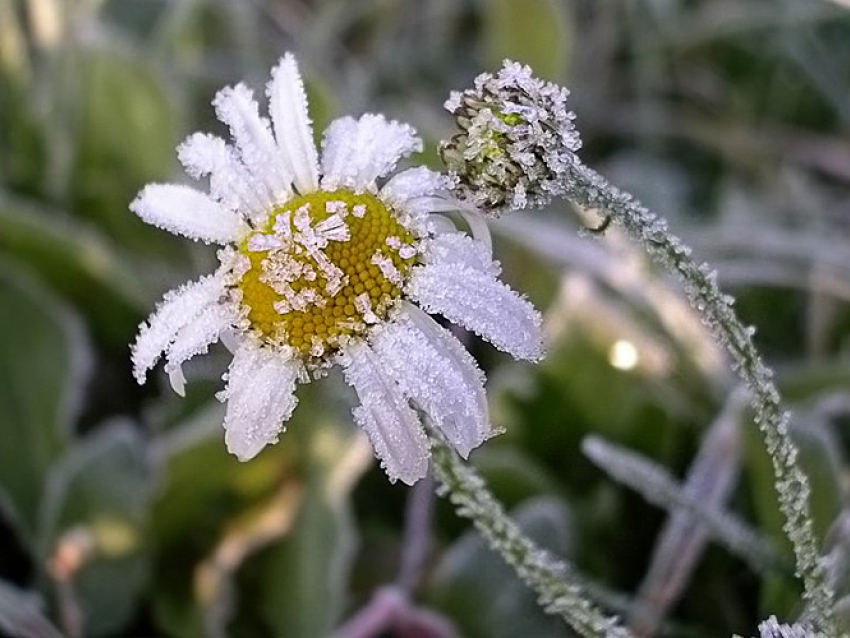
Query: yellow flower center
(324, 267)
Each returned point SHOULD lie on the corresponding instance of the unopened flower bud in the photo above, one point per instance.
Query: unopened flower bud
(516, 141)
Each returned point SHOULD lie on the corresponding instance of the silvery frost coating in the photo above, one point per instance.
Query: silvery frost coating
(516, 143)
(326, 260)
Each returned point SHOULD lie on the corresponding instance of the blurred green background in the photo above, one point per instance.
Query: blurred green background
(121, 514)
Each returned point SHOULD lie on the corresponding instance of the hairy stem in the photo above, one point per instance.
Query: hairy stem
(558, 590)
(588, 189)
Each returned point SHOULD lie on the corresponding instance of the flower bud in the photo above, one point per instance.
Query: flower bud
(516, 141)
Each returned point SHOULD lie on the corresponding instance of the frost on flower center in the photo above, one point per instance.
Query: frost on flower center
(324, 267)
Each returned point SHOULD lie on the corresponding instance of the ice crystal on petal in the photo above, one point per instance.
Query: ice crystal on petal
(292, 126)
(236, 107)
(177, 309)
(195, 337)
(392, 426)
(230, 182)
(185, 211)
(516, 143)
(260, 397)
(357, 152)
(457, 248)
(412, 184)
(482, 304)
(438, 374)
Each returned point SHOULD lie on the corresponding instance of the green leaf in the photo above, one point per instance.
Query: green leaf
(126, 134)
(44, 363)
(306, 575)
(79, 263)
(98, 493)
(534, 32)
(203, 489)
(484, 596)
(512, 474)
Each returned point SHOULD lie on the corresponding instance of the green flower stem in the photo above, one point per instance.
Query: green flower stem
(588, 189)
(558, 590)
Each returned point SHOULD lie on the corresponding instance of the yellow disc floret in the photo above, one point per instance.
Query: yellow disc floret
(324, 267)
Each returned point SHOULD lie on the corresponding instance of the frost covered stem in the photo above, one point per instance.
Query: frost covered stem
(588, 189)
(551, 579)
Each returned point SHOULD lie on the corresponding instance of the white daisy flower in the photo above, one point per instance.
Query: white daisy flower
(325, 261)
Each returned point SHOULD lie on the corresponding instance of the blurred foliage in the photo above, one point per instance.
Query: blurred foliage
(123, 515)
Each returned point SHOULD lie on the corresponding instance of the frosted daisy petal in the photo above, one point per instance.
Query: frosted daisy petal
(260, 397)
(230, 181)
(481, 303)
(393, 427)
(195, 338)
(185, 211)
(439, 375)
(412, 184)
(178, 308)
(459, 248)
(357, 152)
(236, 107)
(338, 148)
(292, 127)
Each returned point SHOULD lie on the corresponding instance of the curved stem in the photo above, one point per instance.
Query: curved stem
(588, 189)
(559, 591)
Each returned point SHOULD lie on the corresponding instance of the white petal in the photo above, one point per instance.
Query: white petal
(338, 149)
(260, 397)
(458, 248)
(412, 184)
(196, 337)
(479, 229)
(177, 309)
(481, 303)
(230, 182)
(393, 427)
(292, 127)
(439, 375)
(185, 211)
(355, 153)
(236, 107)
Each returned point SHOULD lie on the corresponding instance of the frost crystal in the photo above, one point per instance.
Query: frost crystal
(516, 143)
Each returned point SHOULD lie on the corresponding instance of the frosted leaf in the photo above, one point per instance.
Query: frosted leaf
(260, 397)
(230, 182)
(481, 303)
(393, 427)
(178, 308)
(559, 588)
(655, 484)
(458, 248)
(185, 211)
(292, 126)
(236, 107)
(196, 337)
(438, 374)
(357, 152)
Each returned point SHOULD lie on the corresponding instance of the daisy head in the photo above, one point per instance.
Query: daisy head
(517, 140)
(326, 259)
